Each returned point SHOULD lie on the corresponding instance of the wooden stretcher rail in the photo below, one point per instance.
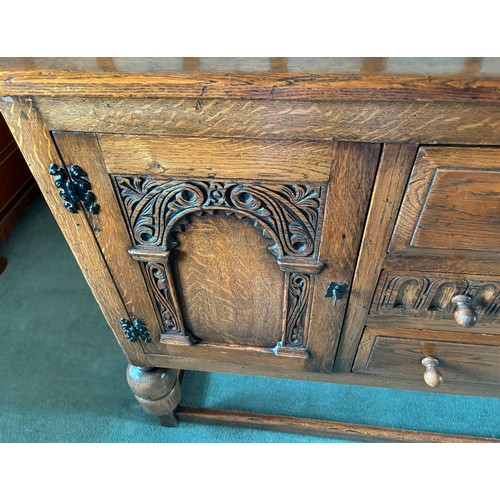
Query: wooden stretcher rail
(320, 428)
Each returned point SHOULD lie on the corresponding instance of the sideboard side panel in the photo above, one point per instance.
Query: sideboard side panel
(35, 142)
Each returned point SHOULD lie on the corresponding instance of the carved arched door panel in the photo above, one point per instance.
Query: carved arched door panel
(288, 215)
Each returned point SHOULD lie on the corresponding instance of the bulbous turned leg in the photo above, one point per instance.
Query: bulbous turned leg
(158, 390)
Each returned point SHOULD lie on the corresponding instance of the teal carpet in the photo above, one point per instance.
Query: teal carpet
(63, 374)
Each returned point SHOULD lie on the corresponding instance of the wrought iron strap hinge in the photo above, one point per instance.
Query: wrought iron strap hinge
(74, 187)
(135, 330)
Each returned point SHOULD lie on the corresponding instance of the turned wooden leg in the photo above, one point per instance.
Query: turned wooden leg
(158, 390)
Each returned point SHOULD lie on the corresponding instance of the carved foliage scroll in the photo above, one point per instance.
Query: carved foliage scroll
(299, 289)
(157, 274)
(289, 214)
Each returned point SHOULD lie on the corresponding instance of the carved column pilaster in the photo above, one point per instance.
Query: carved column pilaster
(161, 283)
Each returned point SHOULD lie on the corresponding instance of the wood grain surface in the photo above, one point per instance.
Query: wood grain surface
(462, 211)
(110, 230)
(394, 169)
(363, 79)
(207, 158)
(321, 428)
(394, 121)
(351, 182)
(435, 323)
(260, 359)
(224, 271)
(318, 129)
(452, 202)
(455, 260)
(462, 357)
(428, 296)
(292, 369)
(230, 286)
(157, 390)
(35, 142)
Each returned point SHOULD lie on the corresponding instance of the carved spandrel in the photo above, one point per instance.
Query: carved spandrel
(288, 214)
(423, 295)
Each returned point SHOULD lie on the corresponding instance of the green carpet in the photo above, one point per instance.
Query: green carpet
(63, 374)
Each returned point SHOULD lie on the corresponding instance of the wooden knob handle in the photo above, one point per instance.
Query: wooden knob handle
(432, 375)
(464, 314)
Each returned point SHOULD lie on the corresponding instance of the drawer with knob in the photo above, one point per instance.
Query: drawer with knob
(432, 358)
(437, 300)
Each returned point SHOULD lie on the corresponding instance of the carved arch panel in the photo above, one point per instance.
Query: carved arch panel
(429, 295)
(290, 215)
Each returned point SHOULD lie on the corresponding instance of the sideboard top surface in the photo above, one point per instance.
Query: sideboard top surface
(350, 79)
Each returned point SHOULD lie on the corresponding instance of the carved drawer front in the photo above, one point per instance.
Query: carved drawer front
(215, 245)
(430, 358)
(432, 297)
(452, 202)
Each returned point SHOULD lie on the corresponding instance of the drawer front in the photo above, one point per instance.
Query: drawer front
(452, 202)
(399, 353)
(429, 298)
(225, 248)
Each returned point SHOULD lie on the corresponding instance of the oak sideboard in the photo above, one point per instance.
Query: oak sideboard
(319, 219)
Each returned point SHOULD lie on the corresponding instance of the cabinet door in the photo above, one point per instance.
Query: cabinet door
(224, 249)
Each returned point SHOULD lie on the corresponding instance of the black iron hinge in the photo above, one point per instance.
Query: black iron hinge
(74, 188)
(135, 330)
